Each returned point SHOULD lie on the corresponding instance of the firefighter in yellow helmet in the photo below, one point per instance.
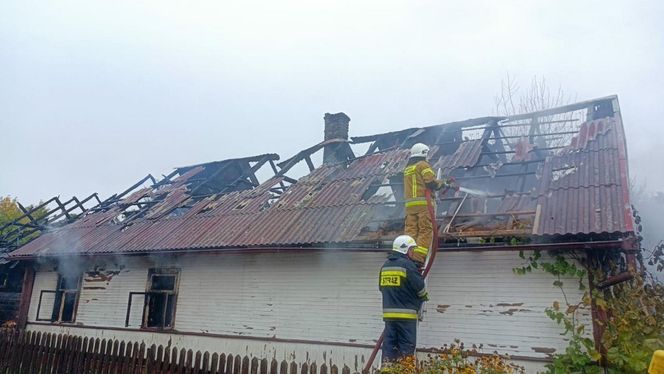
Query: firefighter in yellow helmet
(418, 177)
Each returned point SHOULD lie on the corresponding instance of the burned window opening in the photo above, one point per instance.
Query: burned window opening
(161, 298)
(65, 299)
(4, 277)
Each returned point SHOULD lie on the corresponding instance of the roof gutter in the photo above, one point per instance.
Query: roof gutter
(606, 244)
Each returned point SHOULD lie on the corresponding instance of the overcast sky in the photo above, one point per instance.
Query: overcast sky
(94, 95)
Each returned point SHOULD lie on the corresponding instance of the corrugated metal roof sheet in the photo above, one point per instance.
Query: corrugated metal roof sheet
(585, 188)
(465, 156)
(580, 190)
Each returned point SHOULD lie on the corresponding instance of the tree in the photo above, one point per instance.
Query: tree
(10, 211)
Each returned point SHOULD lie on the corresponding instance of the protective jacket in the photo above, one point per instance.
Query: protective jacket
(417, 177)
(402, 287)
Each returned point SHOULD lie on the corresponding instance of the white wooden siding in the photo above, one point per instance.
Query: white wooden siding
(44, 280)
(318, 296)
(475, 297)
(331, 297)
(104, 302)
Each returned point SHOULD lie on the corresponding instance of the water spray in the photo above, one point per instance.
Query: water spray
(473, 192)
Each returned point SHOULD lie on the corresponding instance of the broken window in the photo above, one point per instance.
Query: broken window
(66, 298)
(160, 298)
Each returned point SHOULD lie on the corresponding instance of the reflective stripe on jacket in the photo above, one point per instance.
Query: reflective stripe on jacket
(416, 176)
(402, 287)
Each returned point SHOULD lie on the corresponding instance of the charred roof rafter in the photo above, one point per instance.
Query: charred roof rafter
(225, 176)
(38, 219)
(529, 194)
(210, 179)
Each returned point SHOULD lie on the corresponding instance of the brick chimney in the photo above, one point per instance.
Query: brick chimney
(336, 127)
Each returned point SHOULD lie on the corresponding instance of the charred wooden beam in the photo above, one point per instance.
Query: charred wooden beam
(563, 109)
(310, 164)
(116, 197)
(25, 211)
(26, 296)
(613, 280)
(33, 210)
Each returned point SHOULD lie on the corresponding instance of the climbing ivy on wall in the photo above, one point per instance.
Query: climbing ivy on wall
(634, 310)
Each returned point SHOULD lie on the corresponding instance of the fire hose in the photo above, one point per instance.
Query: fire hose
(425, 272)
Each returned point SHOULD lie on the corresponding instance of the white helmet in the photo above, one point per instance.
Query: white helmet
(403, 243)
(419, 150)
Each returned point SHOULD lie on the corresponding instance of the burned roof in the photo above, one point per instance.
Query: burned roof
(538, 176)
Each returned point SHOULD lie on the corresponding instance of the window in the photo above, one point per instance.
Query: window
(66, 298)
(3, 280)
(160, 298)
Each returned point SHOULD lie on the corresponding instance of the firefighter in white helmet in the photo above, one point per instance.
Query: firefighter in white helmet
(403, 291)
(418, 176)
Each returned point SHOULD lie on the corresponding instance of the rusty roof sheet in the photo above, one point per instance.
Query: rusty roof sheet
(582, 189)
(465, 156)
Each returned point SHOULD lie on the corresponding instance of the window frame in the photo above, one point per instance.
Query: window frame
(152, 272)
(59, 301)
(4, 280)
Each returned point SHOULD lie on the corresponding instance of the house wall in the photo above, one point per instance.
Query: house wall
(10, 292)
(318, 306)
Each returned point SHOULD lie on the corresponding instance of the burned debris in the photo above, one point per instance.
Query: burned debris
(528, 177)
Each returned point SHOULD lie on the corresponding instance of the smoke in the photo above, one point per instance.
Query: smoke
(649, 207)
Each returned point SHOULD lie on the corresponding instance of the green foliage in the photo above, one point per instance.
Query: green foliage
(10, 211)
(635, 326)
(633, 329)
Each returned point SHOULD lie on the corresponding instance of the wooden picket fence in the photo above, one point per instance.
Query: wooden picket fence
(30, 352)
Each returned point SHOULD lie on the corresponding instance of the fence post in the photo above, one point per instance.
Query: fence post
(206, 363)
(245, 365)
(141, 358)
(214, 363)
(274, 367)
(150, 358)
(237, 364)
(108, 357)
(173, 364)
(164, 358)
(229, 364)
(134, 359)
(254, 365)
(197, 362)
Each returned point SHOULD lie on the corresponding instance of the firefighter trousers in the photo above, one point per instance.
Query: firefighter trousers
(418, 225)
(400, 339)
